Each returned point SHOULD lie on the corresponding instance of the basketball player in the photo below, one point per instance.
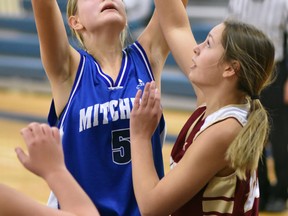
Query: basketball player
(214, 160)
(272, 17)
(215, 157)
(93, 91)
(45, 159)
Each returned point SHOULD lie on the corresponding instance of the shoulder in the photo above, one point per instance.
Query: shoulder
(236, 112)
(223, 125)
(210, 147)
(223, 131)
(221, 128)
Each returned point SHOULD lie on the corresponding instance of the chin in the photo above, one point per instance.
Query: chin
(116, 18)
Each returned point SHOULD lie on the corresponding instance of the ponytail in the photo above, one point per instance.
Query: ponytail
(245, 151)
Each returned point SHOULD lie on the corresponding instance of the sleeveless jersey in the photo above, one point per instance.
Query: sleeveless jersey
(221, 196)
(95, 131)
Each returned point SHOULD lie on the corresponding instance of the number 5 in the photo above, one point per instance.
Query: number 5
(121, 152)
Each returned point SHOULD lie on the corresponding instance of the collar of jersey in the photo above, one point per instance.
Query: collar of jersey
(121, 76)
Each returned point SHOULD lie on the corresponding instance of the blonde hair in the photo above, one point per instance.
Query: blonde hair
(72, 9)
(255, 54)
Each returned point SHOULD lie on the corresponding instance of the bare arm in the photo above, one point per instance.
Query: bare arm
(165, 196)
(14, 203)
(59, 59)
(155, 46)
(46, 159)
(176, 28)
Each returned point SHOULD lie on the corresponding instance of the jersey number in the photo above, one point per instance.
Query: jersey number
(121, 151)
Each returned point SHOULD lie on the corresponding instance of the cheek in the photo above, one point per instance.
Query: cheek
(209, 60)
(205, 74)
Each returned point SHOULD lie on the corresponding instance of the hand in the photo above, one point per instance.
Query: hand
(146, 112)
(44, 147)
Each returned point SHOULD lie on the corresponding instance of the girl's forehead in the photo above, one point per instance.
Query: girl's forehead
(216, 32)
(218, 29)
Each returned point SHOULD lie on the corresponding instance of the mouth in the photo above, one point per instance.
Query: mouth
(193, 65)
(108, 6)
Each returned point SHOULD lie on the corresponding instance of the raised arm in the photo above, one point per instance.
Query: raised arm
(45, 159)
(155, 46)
(59, 59)
(177, 31)
(176, 28)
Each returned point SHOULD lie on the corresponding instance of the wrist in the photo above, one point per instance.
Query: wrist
(55, 175)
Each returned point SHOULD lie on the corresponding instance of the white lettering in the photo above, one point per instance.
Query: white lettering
(113, 112)
(103, 113)
(96, 113)
(85, 119)
(104, 109)
(125, 108)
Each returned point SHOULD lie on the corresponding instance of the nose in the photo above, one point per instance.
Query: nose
(196, 50)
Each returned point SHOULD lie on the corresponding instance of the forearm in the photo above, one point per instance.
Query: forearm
(177, 31)
(13, 202)
(145, 177)
(172, 13)
(70, 195)
(52, 34)
(49, 21)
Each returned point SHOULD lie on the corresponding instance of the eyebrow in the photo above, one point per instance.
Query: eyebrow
(210, 36)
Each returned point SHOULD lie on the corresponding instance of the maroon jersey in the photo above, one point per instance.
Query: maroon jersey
(221, 195)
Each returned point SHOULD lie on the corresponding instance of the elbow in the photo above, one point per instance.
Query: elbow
(149, 212)
(148, 208)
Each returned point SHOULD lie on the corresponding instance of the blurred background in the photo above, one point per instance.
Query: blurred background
(25, 92)
(19, 46)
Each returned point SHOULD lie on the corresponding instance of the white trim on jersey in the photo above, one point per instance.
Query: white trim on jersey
(147, 65)
(72, 95)
(254, 192)
(238, 112)
(124, 69)
(122, 72)
(102, 74)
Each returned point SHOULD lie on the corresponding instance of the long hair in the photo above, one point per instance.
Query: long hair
(72, 9)
(254, 52)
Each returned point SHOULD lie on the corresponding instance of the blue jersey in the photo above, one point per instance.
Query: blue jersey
(95, 131)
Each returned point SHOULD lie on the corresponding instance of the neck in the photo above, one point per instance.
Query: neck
(214, 103)
(109, 58)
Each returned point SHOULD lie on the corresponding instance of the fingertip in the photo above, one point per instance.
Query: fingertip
(23, 130)
(139, 92)
(17, 149)
(158, 93)
(55, 133)
(20, 154)
(137, 98)
(147, 86)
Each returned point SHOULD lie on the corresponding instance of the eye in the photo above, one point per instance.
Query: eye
(207, 43)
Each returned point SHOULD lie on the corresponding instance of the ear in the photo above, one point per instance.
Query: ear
(231, 68)
(74, 23)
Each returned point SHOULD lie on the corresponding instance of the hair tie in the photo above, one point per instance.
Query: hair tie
(255, 97)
